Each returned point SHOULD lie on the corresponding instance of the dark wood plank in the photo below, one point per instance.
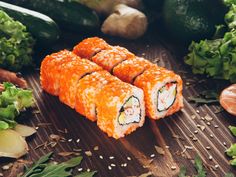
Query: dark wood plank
(174, 132)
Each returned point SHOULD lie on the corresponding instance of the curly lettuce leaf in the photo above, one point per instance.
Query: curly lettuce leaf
(13, 100)
(15, 44)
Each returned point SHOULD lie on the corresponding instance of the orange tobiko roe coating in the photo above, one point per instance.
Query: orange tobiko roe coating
(73, 71)
(51, 69)
(109, 102)
(109, 58)
(149, 79)
(128, 70)
(87, 89)
(89, 47)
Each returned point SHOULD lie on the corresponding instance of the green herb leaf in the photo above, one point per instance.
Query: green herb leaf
(205, 97)
(202, 100)
(182, 172)
(87, 174)
(232, 150)
(59, 170)
(229, 175)
(38, 166)
(233, 130)
(199, 167)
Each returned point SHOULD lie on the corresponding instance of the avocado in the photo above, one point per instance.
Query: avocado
(188, 20)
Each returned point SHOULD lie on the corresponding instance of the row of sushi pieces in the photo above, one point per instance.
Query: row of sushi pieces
(110, 85)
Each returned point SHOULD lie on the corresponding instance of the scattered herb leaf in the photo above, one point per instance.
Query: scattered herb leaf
(42, 168)
(229, 175)
(199, 167)
(182, 172)
(233, 130)
(233, 162)
(205, 97)
(37, 166)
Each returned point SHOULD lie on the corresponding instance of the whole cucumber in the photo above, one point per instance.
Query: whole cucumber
(42, 28)
(69, 15)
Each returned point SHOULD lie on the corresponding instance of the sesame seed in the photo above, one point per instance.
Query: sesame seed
(69, 140)
(88, 170)
(208, 147)
(36, 128)
(78, 140)
(167, 147)
(113, 165)
(128, 158)
(152, 155)
(173, 167)
(195, 131)
(193, 116)
(80, 169)
(216, 166)
(88, 153)
(101, 157)
(211, 136)
(203, 118)
(197, 111)
(195, 139)
(111, 157)
(209, 123)
(109, 167)
(224, 143)
(190, 136)
(96, 148)
(210, 157)
(216, 126)
(125, 164)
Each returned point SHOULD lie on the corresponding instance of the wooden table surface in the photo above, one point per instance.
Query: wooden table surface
(175, 133)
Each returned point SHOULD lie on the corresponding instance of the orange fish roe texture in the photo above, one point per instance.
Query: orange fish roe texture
(51, 69)
(149, 79)
(128, 70)
(89, 47)
(87, 89)
(108, 59)
(109, 102)
(73, 71)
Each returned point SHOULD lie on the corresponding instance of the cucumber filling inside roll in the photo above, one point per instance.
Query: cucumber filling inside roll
(166, 96)
(130, 112)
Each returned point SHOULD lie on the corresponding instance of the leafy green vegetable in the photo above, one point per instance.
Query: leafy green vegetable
(215, 58)
(42, 168)
(199, 167)
(233, 162)
(231, 151)
(233, 130)
(182, 172)
(15, 44)
(13, 100)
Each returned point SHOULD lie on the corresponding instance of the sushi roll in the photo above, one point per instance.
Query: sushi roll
(162, 91)
(72, 73)
(87, 90)
(89, 47)
(51, 69)
(110, 58)
(128, 70)
(120, 109)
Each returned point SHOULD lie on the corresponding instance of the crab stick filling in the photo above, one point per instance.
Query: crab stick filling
(130, 112)
(166, 96)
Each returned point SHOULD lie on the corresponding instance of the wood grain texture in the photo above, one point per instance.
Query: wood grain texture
(173, 133)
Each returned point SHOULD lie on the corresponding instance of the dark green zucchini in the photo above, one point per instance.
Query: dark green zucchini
(69, 15)
(42, 28)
